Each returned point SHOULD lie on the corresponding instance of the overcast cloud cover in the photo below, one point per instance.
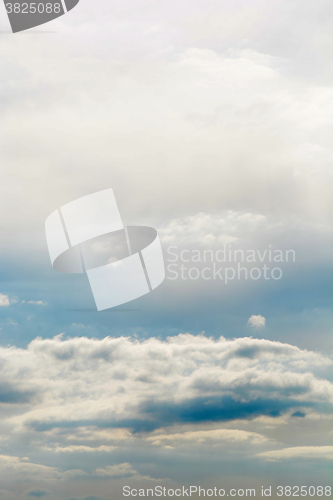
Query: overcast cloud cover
(212, 122)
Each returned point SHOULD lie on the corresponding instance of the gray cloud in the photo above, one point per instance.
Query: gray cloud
(10, 395)
(99, 402)
(38, 493)
(148, 384)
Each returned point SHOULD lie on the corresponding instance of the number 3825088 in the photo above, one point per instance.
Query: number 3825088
(33, 8)
(304, 491)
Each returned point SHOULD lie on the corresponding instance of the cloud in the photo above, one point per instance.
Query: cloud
(12, 322)
(199, 437)
(80, 449)
(94, 403)
(119, 470)
(10, 394)
(122, 471)
(300, 452)
(34, 302)
(144, 385)
(181, 111)
(257, 321)
(37, 493)
(23, 468)
(213, 409)
(4, 300)
(204, 229)
(222, 97)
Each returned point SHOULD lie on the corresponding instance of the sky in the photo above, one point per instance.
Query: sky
(211, 121)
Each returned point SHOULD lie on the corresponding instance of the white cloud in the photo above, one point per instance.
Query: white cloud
(12, 322)
(213, 436)
(205, 229)
(80, 449)
(25, 469)
(34, 302)
(305, 452)
(257, 321)
(116, 397)
(4, 300)
(182, 114)
(118, 470)
(122, 375)
(122, 471)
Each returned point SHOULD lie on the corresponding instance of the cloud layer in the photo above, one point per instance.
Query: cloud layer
(120, 397)
(139, 383)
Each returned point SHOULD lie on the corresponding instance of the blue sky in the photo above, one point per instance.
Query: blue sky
(212, 123)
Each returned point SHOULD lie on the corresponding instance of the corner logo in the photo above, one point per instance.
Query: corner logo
(122, 262)
(24, 15)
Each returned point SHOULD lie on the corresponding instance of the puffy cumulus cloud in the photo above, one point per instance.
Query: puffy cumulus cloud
(257, 321)
(83, 406)
(143, 385)
(306, 452)
(4, 300)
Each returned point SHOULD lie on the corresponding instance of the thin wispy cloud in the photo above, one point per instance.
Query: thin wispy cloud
(34, 302)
